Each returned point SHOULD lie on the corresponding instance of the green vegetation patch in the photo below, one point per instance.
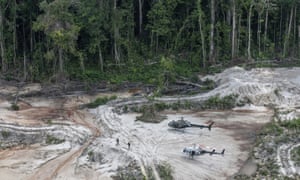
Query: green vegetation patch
(130, 172)
(242, 177)
(165, 171)
(14, 107)
(91, 156)
(5, 134)
(208, 84)
(53, 140)
(149, 114)
(292, 124)
(217, 102)
(295, 155)
(100, 101)
(273, 129)
(273, 135)
(270, 168)
(161, 106)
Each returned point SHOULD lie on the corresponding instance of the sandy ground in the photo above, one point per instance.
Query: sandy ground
(153, 143)
(150, 143)
(98, 129)
(42, 161)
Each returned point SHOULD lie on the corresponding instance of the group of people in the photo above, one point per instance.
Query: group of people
(118, 142)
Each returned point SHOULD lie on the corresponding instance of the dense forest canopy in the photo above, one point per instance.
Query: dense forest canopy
(97, 39)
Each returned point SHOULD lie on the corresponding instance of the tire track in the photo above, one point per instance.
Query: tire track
(111, 119)
(51, 169)
(76, 154)
(284, 158)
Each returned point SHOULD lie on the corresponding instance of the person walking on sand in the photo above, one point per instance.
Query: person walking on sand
(117, 140)
(128, 145)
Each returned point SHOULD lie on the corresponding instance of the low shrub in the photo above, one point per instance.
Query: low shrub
(216, 102)
(53, 140)
(208, 84)
(292, 124)
(160, 106)
(100, 101)
(165, 171)
(15, 107)
(5, 134)
(295, 154)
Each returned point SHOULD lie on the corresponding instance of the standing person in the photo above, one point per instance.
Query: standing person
(193, 154)
(117, 140)
(128, 145)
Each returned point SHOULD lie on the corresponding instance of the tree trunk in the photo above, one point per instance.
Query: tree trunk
(249, 33)
(212, 27)
(3, 59)
(31, 38)
(81, 60)
(116, 35)
(287, 38)
(60, 60)
(266, 25)
(295, 31)
(180, 32)
(233, 30)
(24, 65)
(280, 28)
(24, 55)
(151, 41)
(100, 58)
(156, 41)
(202, 45)
(201, 33)
(258, 32)
(298, 40)
(15, 34)
(239, 35)
(140, 16)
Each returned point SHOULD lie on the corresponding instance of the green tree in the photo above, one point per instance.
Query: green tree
(167, 72)
(3, 5)
(58, 23)
(161, 22)
(96, 22)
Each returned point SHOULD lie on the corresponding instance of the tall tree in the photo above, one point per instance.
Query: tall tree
(140, 15)
(116, 20)
(3, 5)
(259, 6)
(212, 29)
(266, 25)
(298, 40)
(95, 21)
(14, 32)
(161, 22)
(288, 31)
(249, 6)
(58, 23)
(233, 30)
(200, 22)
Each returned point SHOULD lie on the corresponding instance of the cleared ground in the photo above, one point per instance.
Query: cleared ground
(94, 132)
(153, 143)
(150, 143)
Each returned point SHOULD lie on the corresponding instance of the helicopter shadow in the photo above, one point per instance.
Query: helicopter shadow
(185, 131)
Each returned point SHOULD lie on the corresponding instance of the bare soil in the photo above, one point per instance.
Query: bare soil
(96, 130)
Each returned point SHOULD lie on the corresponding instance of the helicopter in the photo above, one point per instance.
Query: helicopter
(198, 150)
(179, 124)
